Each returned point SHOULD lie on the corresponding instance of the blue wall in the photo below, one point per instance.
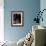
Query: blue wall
(43, 6)
(29, 7)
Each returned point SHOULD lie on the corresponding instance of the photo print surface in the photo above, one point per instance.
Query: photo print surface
(17, 18)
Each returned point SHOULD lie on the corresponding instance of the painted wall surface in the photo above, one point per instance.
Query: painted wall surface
(29, 7)
(43, 6)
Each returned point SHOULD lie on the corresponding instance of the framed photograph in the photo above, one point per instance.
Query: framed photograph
(17, 18)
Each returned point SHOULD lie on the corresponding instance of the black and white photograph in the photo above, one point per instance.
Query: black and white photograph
(17, 18)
